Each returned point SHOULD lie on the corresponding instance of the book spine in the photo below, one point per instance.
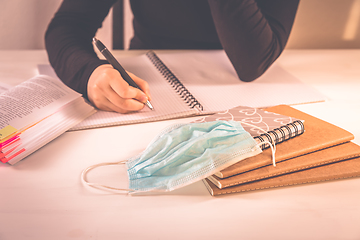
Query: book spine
(180, 89)
(282, 133)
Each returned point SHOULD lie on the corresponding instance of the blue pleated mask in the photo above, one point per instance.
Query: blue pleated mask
(184, 154)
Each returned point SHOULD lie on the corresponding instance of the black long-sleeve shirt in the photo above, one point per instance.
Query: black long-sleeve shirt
(253, 33)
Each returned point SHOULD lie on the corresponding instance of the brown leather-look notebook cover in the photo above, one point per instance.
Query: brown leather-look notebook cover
(318, 135)
(329, 155)
(334, 171)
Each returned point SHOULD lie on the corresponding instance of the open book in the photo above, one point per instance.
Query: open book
(35, 112)
(200, 82)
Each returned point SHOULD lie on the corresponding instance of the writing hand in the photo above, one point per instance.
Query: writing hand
(108, 91)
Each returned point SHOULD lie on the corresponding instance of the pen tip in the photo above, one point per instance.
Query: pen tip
(94, 39)
(149, 105)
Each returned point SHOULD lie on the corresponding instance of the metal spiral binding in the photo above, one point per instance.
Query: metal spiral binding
(282, 134)
(179, 88)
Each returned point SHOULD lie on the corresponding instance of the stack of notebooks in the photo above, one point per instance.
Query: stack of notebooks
(318, 152)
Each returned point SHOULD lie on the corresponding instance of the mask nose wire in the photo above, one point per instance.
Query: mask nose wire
(271, 144)
(101, 186)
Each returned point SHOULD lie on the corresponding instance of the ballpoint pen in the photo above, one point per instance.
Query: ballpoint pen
(111, 59)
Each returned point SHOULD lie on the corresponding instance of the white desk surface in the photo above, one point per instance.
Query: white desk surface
(42, 197)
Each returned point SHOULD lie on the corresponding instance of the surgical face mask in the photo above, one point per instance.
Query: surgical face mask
(184, 154)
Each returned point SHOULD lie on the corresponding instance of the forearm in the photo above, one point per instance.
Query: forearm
(253, 33)
(68, 41)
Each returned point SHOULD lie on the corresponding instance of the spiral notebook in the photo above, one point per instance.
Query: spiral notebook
(199, 82)
(262, 125)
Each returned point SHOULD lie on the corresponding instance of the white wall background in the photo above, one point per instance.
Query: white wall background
(23, 23)
(319, 24)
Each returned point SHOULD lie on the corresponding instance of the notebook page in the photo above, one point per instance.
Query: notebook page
(167, 104)
(210, 77)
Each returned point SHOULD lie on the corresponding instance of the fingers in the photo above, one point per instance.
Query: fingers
(124, 97)
(122, 88)
(108, 91)
(142, 84)
(125, 107)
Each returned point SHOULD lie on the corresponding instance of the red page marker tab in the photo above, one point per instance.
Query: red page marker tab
(5, 159)
(6, 132)
(9, 140)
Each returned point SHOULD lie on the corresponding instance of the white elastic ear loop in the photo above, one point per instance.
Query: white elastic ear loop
(101, 186)
(272, 151)
(271, 144)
